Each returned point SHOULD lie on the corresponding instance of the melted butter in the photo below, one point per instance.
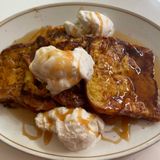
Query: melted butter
(100, 21)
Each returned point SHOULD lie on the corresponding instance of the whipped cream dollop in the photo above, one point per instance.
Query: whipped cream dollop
(76, 128)
(61, 69)
(90, 23)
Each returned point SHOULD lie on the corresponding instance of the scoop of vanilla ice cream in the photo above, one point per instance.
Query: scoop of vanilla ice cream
(89, 22)
(76, 128)
(61, 69)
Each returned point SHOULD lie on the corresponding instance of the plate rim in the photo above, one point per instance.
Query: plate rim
(51, 156)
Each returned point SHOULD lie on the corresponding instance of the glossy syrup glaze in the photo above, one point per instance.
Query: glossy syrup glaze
(101, 22)
(123, 129)
(121, 126)
(46, 135)
(29, 135)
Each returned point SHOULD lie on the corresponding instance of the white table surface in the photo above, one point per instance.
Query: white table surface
(147, 8)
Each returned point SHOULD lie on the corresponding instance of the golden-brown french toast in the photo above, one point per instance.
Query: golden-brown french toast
(122, 83)
(17, 84)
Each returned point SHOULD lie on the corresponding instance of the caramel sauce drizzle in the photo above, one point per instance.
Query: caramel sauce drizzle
(91, 17)
(39, 132)
(62, 116)
(101, 22)
(47, 137)
(49, 120)
(121, 126)
(86, 122)
(126, 38)
(122, 129)
(81, 120)
(31, 36)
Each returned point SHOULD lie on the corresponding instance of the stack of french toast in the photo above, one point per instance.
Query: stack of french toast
(122, 84)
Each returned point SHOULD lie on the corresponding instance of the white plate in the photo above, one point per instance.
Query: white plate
(143, 134)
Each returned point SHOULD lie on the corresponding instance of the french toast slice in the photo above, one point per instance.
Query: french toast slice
(73, 97)
(17, 84)
(123, 81)
(123, 75)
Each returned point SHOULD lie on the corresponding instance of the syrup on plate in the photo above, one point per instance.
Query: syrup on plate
(121, 125)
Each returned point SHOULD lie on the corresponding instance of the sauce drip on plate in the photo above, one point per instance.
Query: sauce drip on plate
(31, 36)
(120, 126)
(126, 38)
(29, 135)
(47, 135)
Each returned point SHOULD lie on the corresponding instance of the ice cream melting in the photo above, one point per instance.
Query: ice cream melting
(60, 69)
(90, 23)
(76, 128)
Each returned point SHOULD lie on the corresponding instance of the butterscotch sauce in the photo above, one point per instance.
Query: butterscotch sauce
(126, 38)
(31, 36)
(27, 117)
(47, 137)
(29, 135)
(101, 22)
(49, 120)
(67, 58)
(62, 116)
(81, 120)
(123, 131)
(121, 126)
(92, 19)
(86, 122)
